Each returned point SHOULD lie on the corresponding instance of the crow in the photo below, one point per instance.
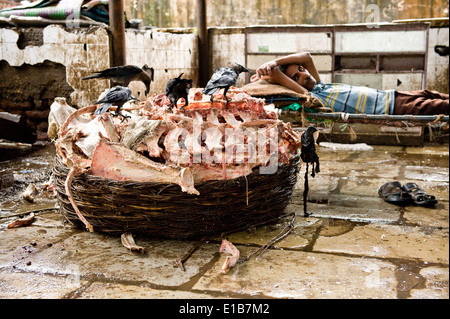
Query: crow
(309, 155)
(177, 88)
(124, 74)
(118, 95)
(308, 150)
(223, 78)
(442, 50)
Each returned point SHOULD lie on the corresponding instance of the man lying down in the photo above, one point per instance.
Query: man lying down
(297, 72)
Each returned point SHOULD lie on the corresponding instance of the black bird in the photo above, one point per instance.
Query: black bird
(118, 95)
(178, 88)
(308, 150)
(124, 74)
(223, 78)
(309, 155)
(442, 50)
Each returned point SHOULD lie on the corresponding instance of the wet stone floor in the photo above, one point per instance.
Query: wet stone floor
(353, 245)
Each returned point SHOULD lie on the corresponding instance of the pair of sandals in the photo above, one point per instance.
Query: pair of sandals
(395, 193)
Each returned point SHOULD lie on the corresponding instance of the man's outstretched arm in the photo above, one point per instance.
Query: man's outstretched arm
(302, 58)
(280, 78)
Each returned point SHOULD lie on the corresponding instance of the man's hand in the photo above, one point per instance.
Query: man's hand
(266, 69)
(256, 77)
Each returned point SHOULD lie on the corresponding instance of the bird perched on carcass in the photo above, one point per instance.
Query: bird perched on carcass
(124, 74)
(309, 155)
(118, 95)
(178, 88)
(223, 78)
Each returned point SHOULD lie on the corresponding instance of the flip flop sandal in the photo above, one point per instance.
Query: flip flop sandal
(393, 193)
(418, 195)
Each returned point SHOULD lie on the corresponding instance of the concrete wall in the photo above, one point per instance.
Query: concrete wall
(83, 51)
(226, 13)
(33, 59)
(169, 54)
(256, 45)
(227, 46)
(438, 66)
(78, 52)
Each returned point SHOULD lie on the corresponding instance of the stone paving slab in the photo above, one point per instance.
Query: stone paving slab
(429, 150)
(420, 173)
(436, 285)
(344, 169)
(300, 237)
(296, 274)
(354, 245)
(18, 244)
(355, 214)
(92, 254)
(437, 216)
(29, 285)
(102, 290)
(390, 241)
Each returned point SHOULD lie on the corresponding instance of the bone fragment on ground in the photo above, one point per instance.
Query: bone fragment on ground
(29, 192)
(22, 221)
(128, 241)
(230, 261)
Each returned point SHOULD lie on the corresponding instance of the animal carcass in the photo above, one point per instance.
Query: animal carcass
(199, 142)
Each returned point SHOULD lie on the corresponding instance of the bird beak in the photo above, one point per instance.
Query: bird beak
(244, 69)
(135, 99)
(316, 136)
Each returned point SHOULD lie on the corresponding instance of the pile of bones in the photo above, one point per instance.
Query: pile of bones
(185, 145)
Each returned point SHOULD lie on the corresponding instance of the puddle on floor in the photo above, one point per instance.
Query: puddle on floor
(34, 167)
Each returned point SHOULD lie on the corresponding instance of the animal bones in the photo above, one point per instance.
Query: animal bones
(230, 261)
(201, 141)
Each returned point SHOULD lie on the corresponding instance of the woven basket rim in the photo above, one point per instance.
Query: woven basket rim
(163, 210)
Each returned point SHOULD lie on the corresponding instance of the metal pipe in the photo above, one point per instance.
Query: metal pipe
(117, 27)
(203, 44)
(370, 117)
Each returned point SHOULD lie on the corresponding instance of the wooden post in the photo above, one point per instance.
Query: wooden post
(117, 27)
(203, 44)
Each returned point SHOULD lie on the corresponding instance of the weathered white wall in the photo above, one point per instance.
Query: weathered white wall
(226, 49)
(229, 44)
(380, 41)
(437, 72)
(169, 54)
(83, 51)
(79, 50)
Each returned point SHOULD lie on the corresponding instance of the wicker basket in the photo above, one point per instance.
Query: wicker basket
(163, 210)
